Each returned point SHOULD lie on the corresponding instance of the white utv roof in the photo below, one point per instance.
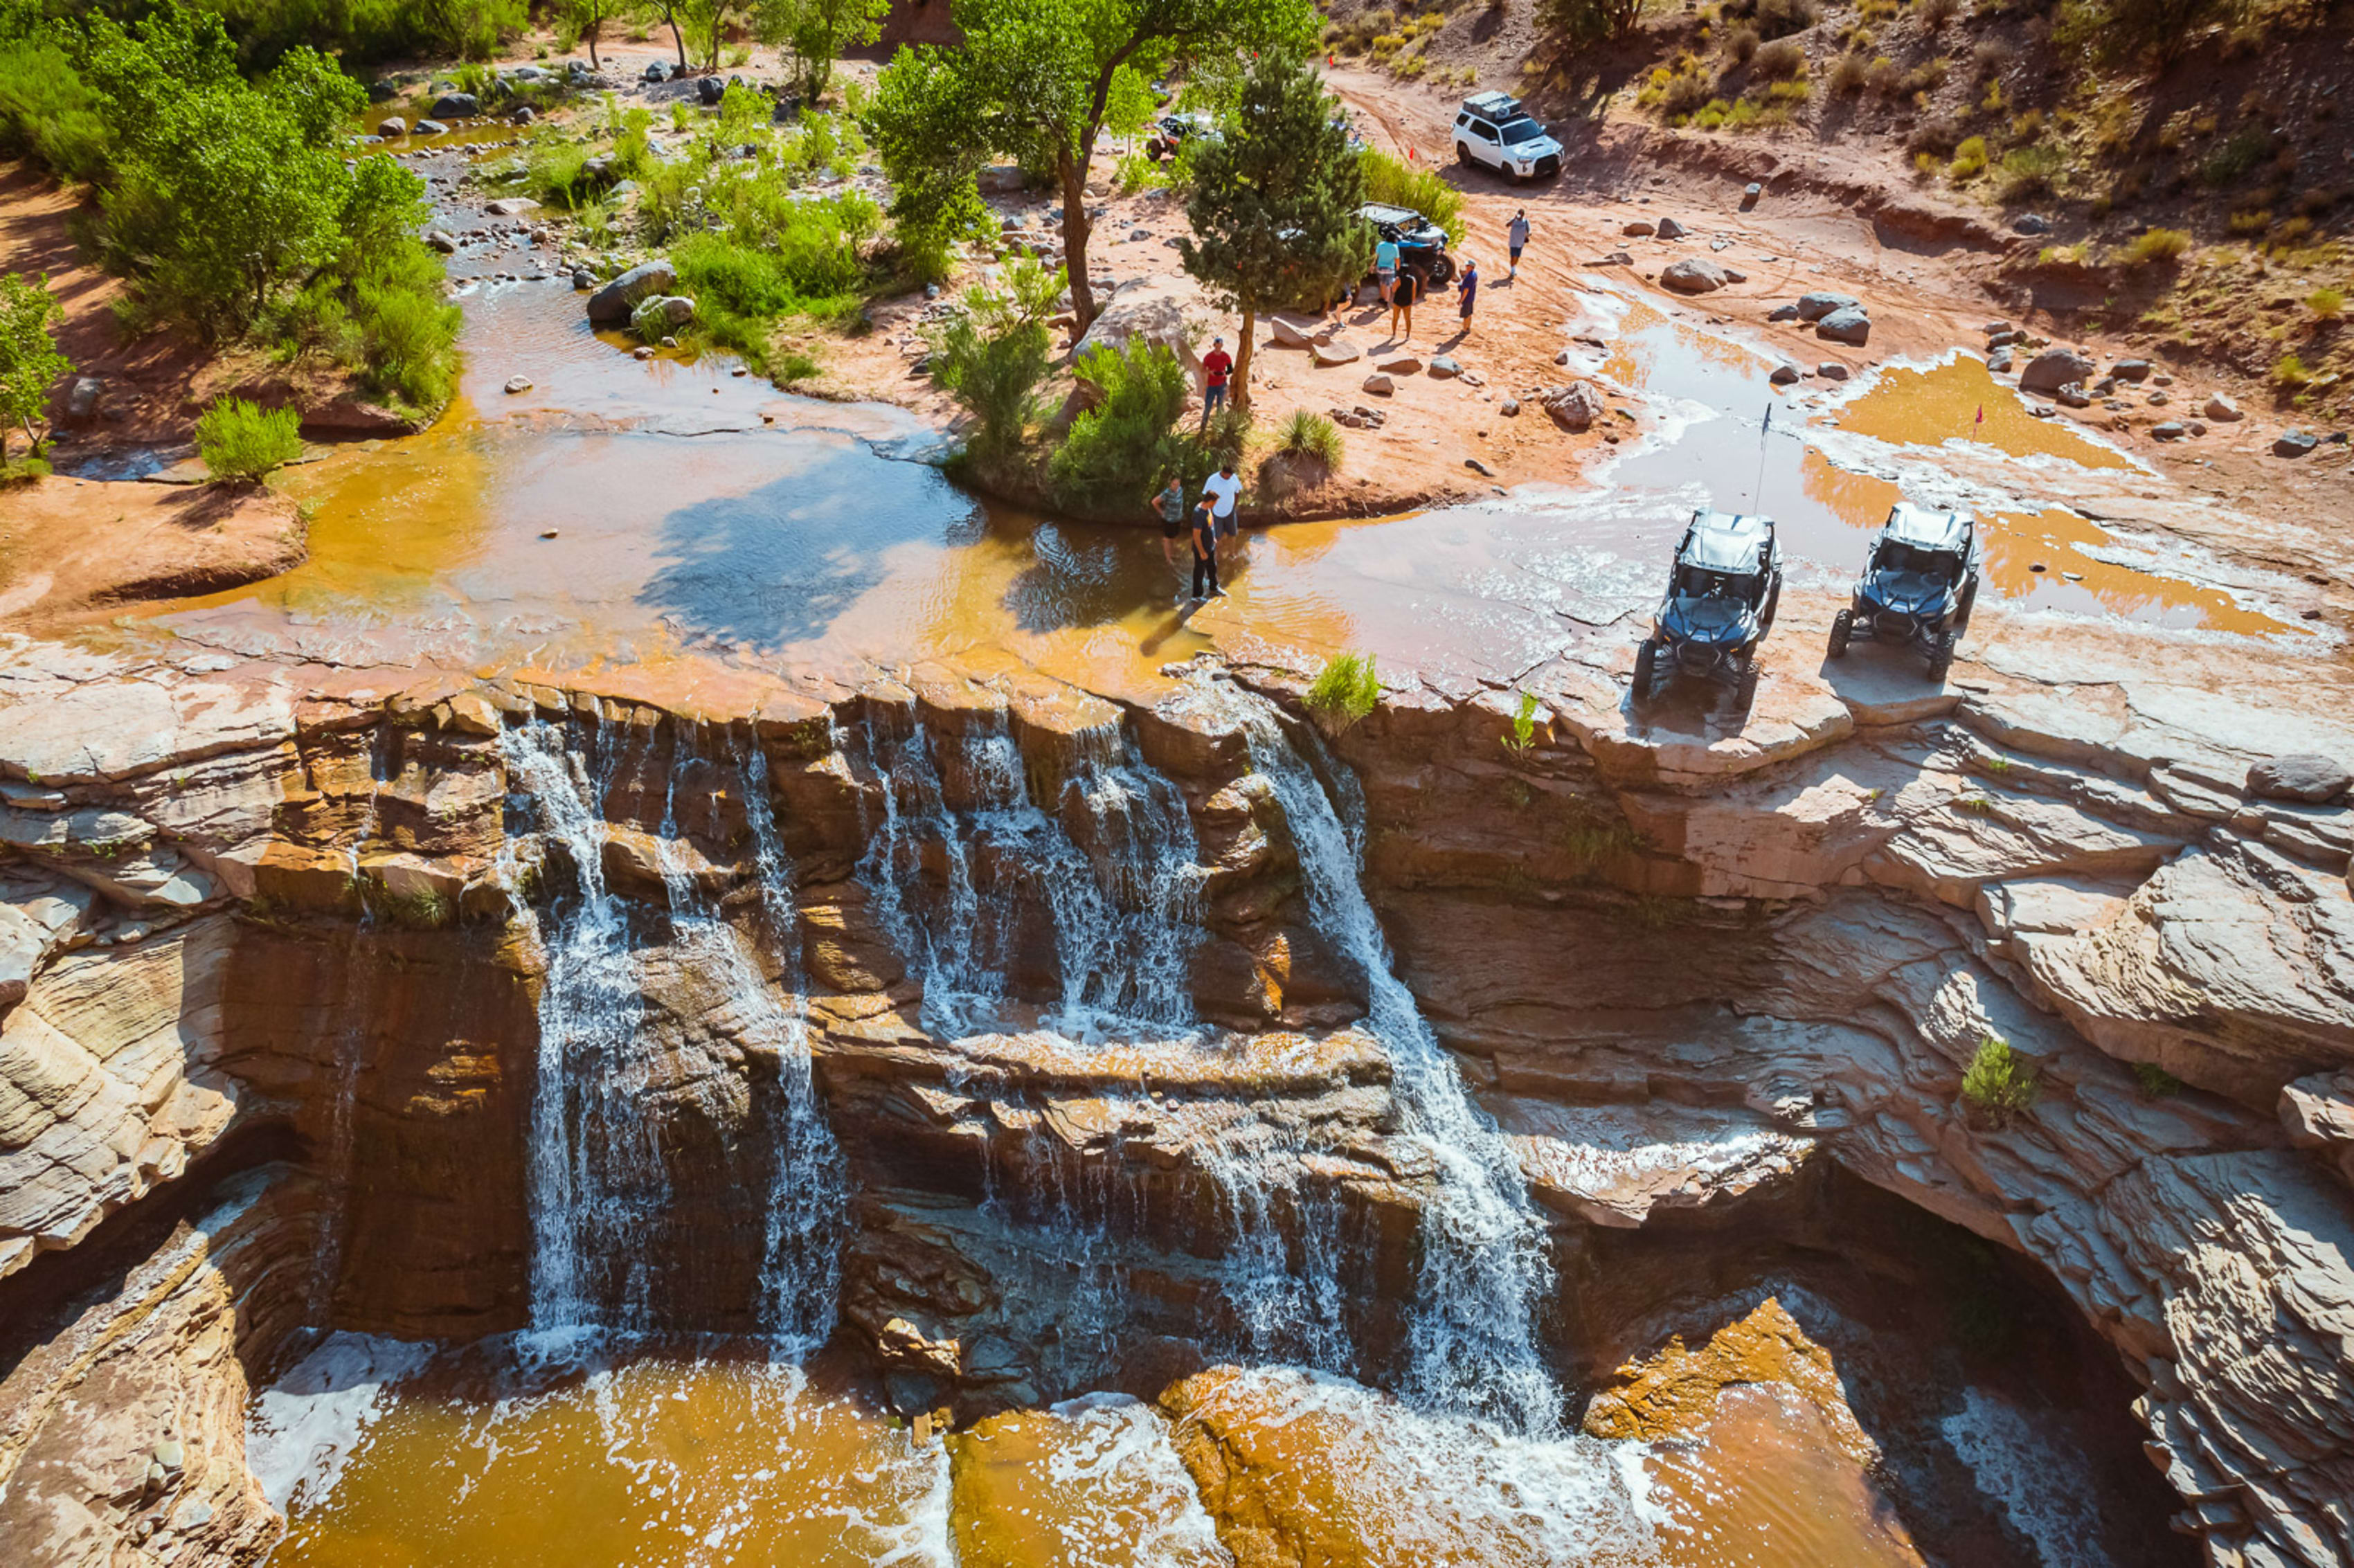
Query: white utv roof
(1726, 541)
(1926, 528)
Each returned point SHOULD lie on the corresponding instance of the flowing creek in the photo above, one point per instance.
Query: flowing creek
(668, 509)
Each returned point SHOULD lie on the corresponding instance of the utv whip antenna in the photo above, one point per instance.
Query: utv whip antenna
(1756, 491)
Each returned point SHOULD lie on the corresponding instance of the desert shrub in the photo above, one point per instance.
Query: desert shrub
(1939, 135)
(1780, 59)
(1778, 18)
(1936, 13)
(993, 357)
(240, 442)
(1676, 92)
(2289, 373)
(1310, 434)
(2156, 245)
(1741, 43)
(2001, 1085)
(2156, 1081)
(408, 331)
(1849, 73)
(1115, 449)
(2239, 154)
(1346, 690)
(1887, 77)
(47, 111)
(2028, 170)
(2326, 303)
(1395, 184)
(1989, 57)
(557, 174)
(1970, 160)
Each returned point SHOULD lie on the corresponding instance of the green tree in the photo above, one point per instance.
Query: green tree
(586, 20)
(314, 89)
(668, 14)
(704, 23)
(1275, 200)
(29, 361)
(815, 32)
(1034, 80)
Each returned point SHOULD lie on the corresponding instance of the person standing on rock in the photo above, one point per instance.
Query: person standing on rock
(1168, 506)
(1221, 491)
(1385, 268)
(1467, 293)
(1217, 368)
(1516, 237)
(1402, 307)
(1205, 551)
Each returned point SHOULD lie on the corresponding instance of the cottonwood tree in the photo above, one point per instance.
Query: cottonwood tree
(815, 32)
(1274, 208)
(705, 21)
(1034, 80)
(29, 361)
(669, 14)
(587, 19)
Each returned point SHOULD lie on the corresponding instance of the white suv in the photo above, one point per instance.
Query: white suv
(1493, 129)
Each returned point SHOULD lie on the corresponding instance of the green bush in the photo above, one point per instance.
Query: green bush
(2001, 1085)
(2156, 1081)
(1116, 450)
(1346, 690)
(47, 111)
(240, 442)
(1970, 160)
(1782, 58)
(1307, 433)
(2156, 245)
(2326, 303)
(1418, 187)
(29, 361)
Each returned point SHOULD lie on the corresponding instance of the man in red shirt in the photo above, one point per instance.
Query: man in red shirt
(1217, 365)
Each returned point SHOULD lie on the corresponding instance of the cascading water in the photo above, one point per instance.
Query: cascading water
(351, 1050)
(598, 1180)
(1483, 1269)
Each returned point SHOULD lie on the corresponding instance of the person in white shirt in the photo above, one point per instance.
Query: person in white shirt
(1219, 490)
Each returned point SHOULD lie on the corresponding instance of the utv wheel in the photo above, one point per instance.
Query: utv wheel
(1646, 659)
(1442, 272)
(1745, 691)
(1842, 628)
(1773, 607)
(1941, 658)
(1969, 602)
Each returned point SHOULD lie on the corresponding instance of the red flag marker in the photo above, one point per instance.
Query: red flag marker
(1981, 418)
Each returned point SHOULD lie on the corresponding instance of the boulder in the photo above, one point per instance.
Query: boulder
(392, 125)
(1289, 335)
(1995, 330)
(1340, 351)
(1749, 194)
(1831, 370)
(456, 106)
(512, 206)
(617, 300)
(430, 128)
(2072, 396)
(2031, 223)
(2054, 368)
(1670, 229)
(2222, 410)
(1639, 229)
(2131, 369)
(1400, 364)
(2302, 776)
(523, 114)
(1443, 368)
(1782, 313)
(1615, 259)
(1693, 275)
(1150, 308)
(710, 90)
(657, 70)
(1998, 361)
(2168, 430)
(1785, 374)
(1379, 384)
(583, 278)
(81, 397)
(2295, 443)
(1814, 307)
(1510, 407)
(1848, 324)
(518, 384)
(1573, 408)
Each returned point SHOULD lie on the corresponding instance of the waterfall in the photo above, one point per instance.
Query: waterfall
(351, 1051)
(1483, 1270)
(1121, 908)
(598, 1182)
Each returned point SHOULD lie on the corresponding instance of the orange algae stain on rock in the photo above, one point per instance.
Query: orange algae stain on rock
(1929, 407)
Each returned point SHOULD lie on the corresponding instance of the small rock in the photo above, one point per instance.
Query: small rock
(1785, 373)
(2222, 410)
(2072, 396)
(2295, 443)
(430, 128)
(1998, 361)
(1749, 194)
(642, 352)
(512, 206)
(2131, 369)
(1379, 384)
(1815, 306)
(523, 114)
(1444, 368)
(393, 126)
(2196, 428)
(1401, 364)
(518, 384)
(1639, 229)
(81, 397)
(1573, 408)
(584, 279)
(1695, 275)
(1669, 229)
(710, 90)
(2166, 431)
(1831, 370)
(1848, 324)
(1339, 351)
(1481, 468)
(2160, 397)
(1782, 313)
(547, 534)
(2302, 776)
(2055, 368)
(1997, 330)
(2163, 379)
(657, 70)
(2031, 223)
(1510, 407)
(456, 106)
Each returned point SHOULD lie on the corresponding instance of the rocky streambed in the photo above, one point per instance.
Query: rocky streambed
(1026, 1046)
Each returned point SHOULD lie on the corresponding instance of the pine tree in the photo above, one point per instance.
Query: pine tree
(1275, 200)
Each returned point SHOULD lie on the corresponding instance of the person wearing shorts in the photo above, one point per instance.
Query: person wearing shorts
(1385, 268)
(1168, 506)
(1516, 237)
(1467, 293)
(1402, 307)
(1219, 490)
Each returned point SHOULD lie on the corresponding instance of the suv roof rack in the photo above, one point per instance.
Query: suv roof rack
(1492, 105)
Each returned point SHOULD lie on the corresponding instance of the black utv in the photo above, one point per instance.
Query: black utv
(1421, 244)
(1919, 583)
(1719, 604)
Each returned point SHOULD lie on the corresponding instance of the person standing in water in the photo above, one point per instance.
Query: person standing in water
(1169, 508)
(1205, 551)
(1220, 492)
(1516, 237)
(1467, 293)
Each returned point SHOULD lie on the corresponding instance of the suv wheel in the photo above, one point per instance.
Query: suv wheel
(1842, 628)
(1463, 153)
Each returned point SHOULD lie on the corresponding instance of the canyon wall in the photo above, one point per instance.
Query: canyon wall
(280, 954)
